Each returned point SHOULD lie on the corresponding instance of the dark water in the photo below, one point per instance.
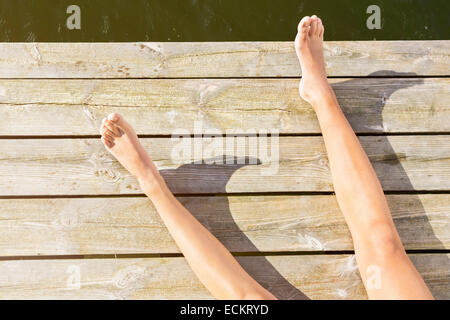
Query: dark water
(219, 20)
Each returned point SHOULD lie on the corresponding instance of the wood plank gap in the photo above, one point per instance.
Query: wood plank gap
(166, 136)
(180, 255)
(206, 195)
(398, 76)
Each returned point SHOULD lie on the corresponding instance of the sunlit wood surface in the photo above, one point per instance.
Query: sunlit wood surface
(69, 211)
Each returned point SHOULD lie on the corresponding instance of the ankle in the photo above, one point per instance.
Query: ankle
(315, 91)
(325, 96)
(151, 183)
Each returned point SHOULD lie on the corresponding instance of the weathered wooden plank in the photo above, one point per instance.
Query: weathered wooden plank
(161, 106)
(84, 166)
(216, 59)
(288, 277)
(241, 223)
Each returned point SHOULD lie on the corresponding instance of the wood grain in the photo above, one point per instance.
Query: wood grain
(65, 89)
(161, 106)
(217, 59)
(241, 223)
(317, 277)
(281, 164)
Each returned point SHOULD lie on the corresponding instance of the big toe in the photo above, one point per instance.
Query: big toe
(118, 120)
(115, 117)
(314, 25)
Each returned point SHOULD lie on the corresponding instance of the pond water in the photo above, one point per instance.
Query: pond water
(219, 20)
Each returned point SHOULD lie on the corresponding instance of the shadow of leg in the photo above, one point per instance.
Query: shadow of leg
(215, 177)
(377, 93)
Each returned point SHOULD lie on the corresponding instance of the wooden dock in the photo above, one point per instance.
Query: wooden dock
(74, 224)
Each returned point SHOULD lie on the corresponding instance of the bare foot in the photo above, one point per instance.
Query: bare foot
(121, 141)
(314, 86)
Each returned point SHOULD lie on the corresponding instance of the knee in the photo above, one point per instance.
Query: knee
(384, 242)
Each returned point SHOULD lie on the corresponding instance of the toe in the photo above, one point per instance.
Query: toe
(114, 117)
(303, 26)
(321, 28)
(113, 128)
(313, 29)
(118, 120)
(108, 133)
(106, 142)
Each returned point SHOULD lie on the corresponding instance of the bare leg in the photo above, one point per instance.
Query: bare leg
(216, 268)
(378, 249)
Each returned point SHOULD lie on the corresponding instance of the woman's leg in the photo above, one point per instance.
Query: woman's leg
(385, 268)
(216, 268)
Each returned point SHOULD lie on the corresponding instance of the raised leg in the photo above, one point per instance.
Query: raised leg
(385, 268)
